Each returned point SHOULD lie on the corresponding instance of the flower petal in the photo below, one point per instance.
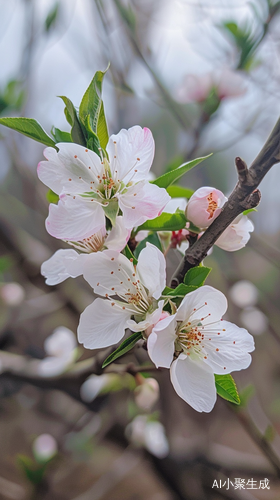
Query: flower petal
(72, 169)
(237, 235)
(108, 272)
(74, 219)
(141, 202)
(118, 236)
(102, 324)
(229, 351)
(131, 150)
(161, 342)
(63, 264)
(194, 382)
(205, 302)
(151, 268)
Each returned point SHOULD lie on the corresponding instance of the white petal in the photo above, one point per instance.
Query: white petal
(151, 268)
(194, 382)
(62, 265)
(174, 204)
(161, 342)
(101, 271)
(134, 150)
(102, 324)
(237, 235)
(74, 219)
(205, 302)
(141, 202)
(118, 236)
(71, 169)
(233, 344)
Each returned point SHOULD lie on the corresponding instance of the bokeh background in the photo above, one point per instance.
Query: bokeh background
(204, 77)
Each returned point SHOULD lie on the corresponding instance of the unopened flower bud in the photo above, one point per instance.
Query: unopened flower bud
(204, 206)
(147, 394)
(44, 447)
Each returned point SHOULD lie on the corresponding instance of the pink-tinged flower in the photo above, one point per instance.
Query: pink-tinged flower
(196, 344)
(236, 235)
(68, 263)
(90, 188)
(226, 83)
(131, 295)
(204, 206)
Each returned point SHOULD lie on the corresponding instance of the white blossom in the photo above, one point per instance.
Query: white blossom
(90, 187)
(195, 343)
(137, 290)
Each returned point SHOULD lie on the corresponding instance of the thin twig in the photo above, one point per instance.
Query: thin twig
(244, 196)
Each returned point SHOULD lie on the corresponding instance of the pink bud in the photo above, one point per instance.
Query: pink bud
(204, 206)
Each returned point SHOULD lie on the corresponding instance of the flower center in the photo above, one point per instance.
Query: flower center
(212, 206)
(89, 245)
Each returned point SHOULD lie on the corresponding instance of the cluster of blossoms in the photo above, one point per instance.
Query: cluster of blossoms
(101, 200)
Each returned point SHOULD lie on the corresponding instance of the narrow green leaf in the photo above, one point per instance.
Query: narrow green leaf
(179, 192)
(91, 111)
(165, 222)
(29, 127)
(72, 118)
(61, 136)
(151, 238)
(181, 290)
(128, 253)
(196, 276)
(226, 388)
(167, 179)
(52, 197)
(125, 346)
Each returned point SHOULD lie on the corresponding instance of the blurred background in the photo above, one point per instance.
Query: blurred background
(204, 77)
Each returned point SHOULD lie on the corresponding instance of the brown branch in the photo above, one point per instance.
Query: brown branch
(244, 196)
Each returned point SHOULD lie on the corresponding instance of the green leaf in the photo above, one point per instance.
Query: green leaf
(181, 290)
(61, 136)
(196, 276)
(72, 118)
(29, 127)
(226, 388)
(151, 238)
(125, 346)
(179, 192)
(165, 222)
(91, 111)
(270, 433)
(128, 253)
(111, 210)
(167, 179)
(52, 197)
